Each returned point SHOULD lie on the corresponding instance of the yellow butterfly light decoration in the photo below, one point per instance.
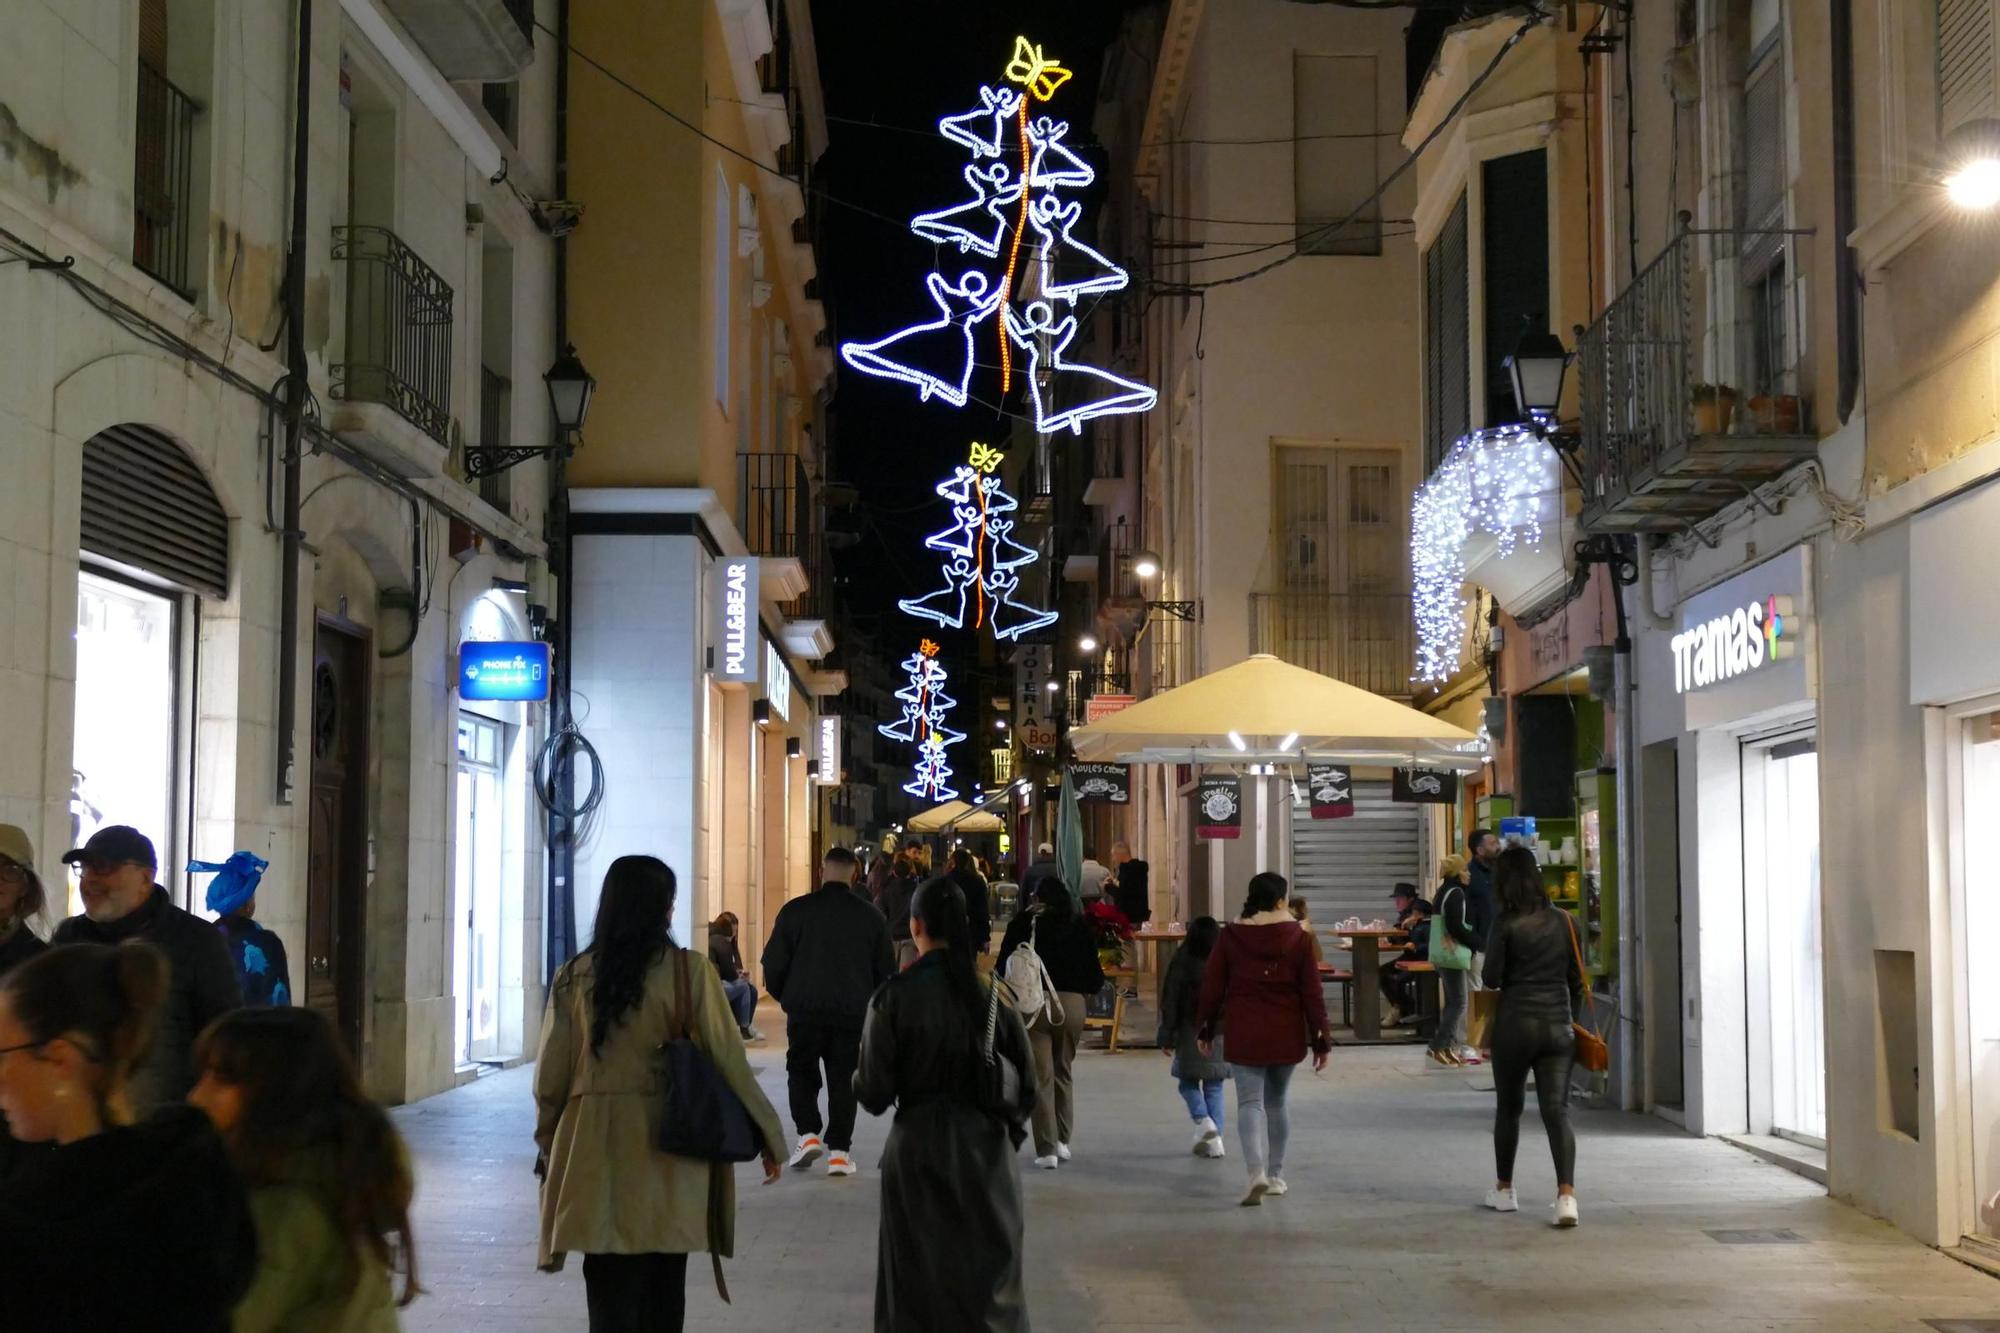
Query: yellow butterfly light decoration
(1036, 73)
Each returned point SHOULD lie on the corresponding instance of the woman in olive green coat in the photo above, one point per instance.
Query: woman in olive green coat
(633, 1212)
(329, 1179)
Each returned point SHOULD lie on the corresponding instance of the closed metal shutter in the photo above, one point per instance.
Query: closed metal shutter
(146, 506)
(1965, 62)
(1346, 867)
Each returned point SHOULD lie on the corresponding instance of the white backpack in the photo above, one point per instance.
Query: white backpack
(1028, 978)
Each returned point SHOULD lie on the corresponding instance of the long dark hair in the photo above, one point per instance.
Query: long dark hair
(305, 1121)
(1517, 880)
(105, 998)
(1267, 889)
(1202, 934)
(940, 905)
(1054, 897)
(634, 912)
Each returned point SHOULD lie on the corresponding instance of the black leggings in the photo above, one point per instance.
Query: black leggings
(1545, 1045)
(635, 1293)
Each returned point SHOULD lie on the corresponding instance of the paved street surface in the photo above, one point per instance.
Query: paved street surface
(1382, 1229)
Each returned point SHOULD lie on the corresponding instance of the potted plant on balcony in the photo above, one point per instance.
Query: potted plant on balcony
(1775, 414)
(1714, 405)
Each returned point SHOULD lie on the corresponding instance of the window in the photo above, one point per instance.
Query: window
(725, 244)
(1447, 335)
(1514, 250)
(496, 364)
(1334, 171)
(1965, 62)
(503, 102)
(1763, 259)
(170, 145)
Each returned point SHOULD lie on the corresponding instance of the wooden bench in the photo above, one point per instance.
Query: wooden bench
(1116, 976)
(1344, 978)
(1427, 995)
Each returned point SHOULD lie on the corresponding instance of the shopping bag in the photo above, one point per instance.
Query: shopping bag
(1479, 1019)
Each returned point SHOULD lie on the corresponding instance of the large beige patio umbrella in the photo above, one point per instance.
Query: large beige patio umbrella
(956, 815)
(1264, 710)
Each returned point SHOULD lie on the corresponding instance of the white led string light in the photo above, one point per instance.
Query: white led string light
(1495, 483)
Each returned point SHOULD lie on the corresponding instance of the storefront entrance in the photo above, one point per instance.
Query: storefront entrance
(481, 866)
(1783, 953)
(1979, 797)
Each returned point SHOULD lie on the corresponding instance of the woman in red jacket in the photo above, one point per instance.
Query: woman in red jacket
(1263, 983)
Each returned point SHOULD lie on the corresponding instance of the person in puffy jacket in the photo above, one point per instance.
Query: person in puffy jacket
(1200, 1075)
(1263, 982)
(1062, 939)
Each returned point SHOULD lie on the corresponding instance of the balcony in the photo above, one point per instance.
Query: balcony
(1364, 639)
(163, 225)
(1675, 427)
(397, 362)
(472, 41)
(775, 513)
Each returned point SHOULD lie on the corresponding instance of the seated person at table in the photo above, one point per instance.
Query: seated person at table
(1413, 916)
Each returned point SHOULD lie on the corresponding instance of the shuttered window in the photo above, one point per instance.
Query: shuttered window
(1345, 867)
(1765, 169)
(1965, 62)
(1447, 339)
(1334, 168)
(1514, 268)
(146, 506)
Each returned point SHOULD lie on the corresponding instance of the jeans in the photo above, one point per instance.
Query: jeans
(1451, 1019)
(742, 1000)
(1546, 1045)
(635, 1293)
(1204, 1098)
(1054, 1047)
(837, 1047)
(1264, 1123)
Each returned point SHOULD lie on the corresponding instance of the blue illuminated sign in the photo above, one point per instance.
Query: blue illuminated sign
(517, 672)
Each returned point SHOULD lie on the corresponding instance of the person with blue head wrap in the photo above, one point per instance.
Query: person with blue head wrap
(259, 955)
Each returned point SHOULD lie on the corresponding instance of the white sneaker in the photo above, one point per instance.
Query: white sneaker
(1502, 1201)
(1565, 1207)
(1205, 1133)
(1062, 1152)
(809, 1150)
(1214, 1148)
(1048, 1163)
(1259, 1187)
(839, 1164)
(1276, 1187)
(752, 1034)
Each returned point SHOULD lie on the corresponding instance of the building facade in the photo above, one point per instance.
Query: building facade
(151, 187)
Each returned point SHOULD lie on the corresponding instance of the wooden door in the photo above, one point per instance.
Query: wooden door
(336, 880)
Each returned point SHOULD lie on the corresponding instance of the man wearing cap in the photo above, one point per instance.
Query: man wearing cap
(122, 902)
(1043, 867)
(1413, 916)
(20, 898)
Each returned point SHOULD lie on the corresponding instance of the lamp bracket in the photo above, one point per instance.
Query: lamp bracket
(486, 460)
(1176, 610)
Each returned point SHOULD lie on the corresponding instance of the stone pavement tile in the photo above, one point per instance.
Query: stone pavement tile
(1383, 1229)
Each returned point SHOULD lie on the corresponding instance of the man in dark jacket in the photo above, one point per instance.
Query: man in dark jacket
(1482, 908)
(978, 911)
(1130, 887)
(1413, 916)
(827, 954)
(1043, 866)
(122, 902)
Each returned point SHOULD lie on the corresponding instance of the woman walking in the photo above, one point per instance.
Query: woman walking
(1451, 950)
(329, 1177)
(1262, 977)
(1062, 939)
(943, 1048)
(634, 1212)
(1532, 960)
(1200, 1074)
(120, 1224)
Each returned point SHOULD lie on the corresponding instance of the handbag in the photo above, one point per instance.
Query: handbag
(703, 1118)
(1591, 1050)
(1446, 952)
(1001, 1085)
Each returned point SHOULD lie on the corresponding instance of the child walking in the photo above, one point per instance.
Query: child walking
(1201, 1076)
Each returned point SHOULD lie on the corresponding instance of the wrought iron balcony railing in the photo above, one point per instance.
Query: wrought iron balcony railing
(1364, 639)
(777, 517)
(1690, 381)
(163, 223)
(399, 325)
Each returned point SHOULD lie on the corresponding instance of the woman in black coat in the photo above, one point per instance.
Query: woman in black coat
(939, 1047)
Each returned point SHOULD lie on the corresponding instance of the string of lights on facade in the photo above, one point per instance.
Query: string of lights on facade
(1503, 483)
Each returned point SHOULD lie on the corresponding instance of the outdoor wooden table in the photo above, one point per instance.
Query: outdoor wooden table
(1155, 937)
(1367, 950)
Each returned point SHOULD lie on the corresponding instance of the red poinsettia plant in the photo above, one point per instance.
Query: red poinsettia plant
(1111, 926)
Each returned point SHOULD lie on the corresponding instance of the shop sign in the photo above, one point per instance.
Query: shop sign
(1332, 788)
(734, 631)
(777, 681)
(505, 672)
(827, 738)
(1039, 735)
(1218, 807)
(1424, 786)
(1102, 784)
(1102, 706)
(1735, 643)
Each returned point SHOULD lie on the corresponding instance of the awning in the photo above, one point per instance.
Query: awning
(1262, 710)
(956, 815)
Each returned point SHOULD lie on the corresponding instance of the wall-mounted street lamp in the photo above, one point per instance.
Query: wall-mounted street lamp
(1536, 369)
(1972, 165)
(570, 387)
(1087, 644)
(1146, 567)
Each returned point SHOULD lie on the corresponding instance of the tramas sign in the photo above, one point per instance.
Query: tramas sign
(1735, 643)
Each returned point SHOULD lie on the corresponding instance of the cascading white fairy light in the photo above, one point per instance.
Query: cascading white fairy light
(1496, 483)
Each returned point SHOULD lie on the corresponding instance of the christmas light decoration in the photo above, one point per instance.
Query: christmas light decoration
(1020, 165)
(925, 705)
(979, 578)
(1505, 483)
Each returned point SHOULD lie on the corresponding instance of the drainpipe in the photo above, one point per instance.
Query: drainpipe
(1846, 274)
(296, 390)
(1629, 993)
(559, 927)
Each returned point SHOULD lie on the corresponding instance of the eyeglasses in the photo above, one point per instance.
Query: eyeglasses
(92, 865)
(13, 874)
(26, 1046)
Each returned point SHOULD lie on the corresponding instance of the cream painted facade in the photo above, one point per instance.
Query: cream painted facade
(694, 277)
(402, 560)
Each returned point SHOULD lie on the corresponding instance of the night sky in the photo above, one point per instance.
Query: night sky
(890, 69)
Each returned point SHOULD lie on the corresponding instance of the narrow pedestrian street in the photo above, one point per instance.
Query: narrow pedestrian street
(1382, 1229)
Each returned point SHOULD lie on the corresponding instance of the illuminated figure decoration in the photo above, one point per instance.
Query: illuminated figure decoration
(1028, 268)
(979, 578)
(925, 705)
